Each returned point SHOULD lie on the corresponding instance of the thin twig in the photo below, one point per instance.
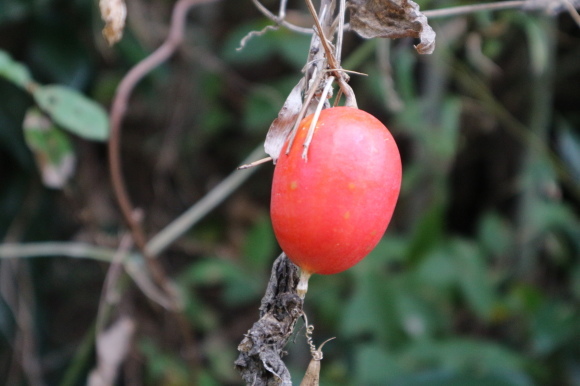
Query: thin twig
(313, 87)
(330, 57)
(156, 245)
(119, 107)
(180, 225)
(465, 9)
(252, 34)
(255, 163)
(339, 37)
(66, 249)
(572, 11)
(109, 295)
(310, 133)
(280, 19)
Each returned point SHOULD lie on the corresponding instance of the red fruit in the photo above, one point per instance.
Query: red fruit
(329, 211)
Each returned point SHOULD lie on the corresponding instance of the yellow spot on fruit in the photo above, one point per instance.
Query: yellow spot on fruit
(294, 185)
(351, 186)
(347, 215)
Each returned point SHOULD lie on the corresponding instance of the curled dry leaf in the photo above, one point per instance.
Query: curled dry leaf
(113, 13)
(281, 127)
(391, 19)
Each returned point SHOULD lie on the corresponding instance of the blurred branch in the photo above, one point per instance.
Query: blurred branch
(67, 249)
(572, 11)
(482, 92)
(465, 9)
(133, 262)
(119, 107)
(280, 18)
(548, 6)
(180, 225)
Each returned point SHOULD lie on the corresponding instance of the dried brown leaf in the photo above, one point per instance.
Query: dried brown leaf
(281, 127)
(113, 13)
(391, 19)
(312, 375)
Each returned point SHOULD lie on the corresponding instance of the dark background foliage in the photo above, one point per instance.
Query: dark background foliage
(477, 281)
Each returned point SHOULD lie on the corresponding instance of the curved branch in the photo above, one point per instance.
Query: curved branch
(119, 107)
(280, 19)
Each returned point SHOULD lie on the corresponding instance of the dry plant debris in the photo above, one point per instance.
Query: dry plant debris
(113, 13)
(391, 19)
(259, 361)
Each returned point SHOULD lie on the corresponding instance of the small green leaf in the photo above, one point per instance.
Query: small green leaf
(260, 245)
(370, 310)
(52, 149)
(374, 365)
(568, 145)
(473, 278)
(14, 71)
(73, 111)
(495, 234)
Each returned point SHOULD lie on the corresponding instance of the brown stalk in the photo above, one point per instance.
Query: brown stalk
(332, 61)
(118, 110)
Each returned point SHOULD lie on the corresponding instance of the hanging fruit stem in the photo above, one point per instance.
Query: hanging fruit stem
(302, 287)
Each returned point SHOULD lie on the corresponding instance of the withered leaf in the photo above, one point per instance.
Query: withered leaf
(281, 127)
(113, 345)
(113, 13)
(391, 19)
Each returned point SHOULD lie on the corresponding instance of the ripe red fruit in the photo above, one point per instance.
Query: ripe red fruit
(329, 211)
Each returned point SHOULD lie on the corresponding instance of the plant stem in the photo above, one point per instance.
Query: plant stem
(68, 249)
(180, 225)
(302, 287)
(465, 9)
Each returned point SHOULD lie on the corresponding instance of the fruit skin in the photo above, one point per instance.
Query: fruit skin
(329, 211)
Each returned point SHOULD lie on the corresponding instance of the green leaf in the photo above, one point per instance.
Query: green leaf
(461, 355)
(568, 144)
(259, 112)
(371, 310)
(260, 245)
(575, 280)
(555, 326)
(452, 378)
(239, 286)
(53, 151)
(417, 319)
(495, 234)
(374, 365)
(473, 278)
(73, 111)
(428, 232)
(14, 71)
(293, 47)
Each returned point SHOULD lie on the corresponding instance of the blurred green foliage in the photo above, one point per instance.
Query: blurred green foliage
(477, 281)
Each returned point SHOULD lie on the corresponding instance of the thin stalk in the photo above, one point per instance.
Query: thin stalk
(466, 9)
(217, 195)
